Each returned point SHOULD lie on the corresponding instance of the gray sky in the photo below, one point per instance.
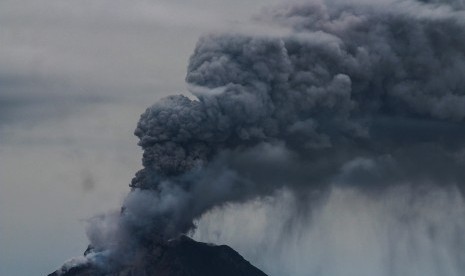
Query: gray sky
(74, 78)
(75, 75)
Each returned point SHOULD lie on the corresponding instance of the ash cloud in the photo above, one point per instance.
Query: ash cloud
(365, 95)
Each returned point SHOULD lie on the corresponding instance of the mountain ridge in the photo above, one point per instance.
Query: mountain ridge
(178, 257)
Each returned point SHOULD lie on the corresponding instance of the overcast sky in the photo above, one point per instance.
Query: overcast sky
(74, 77)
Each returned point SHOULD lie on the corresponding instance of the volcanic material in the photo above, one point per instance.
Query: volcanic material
(367, 94)
(180, 257)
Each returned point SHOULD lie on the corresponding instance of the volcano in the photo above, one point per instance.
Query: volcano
(178, 257)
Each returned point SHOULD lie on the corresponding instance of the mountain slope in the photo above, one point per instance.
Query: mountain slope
(179, 257)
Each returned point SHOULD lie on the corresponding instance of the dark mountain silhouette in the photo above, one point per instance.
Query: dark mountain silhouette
(179, 257)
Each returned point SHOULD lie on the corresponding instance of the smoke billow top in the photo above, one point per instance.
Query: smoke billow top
(364, 95)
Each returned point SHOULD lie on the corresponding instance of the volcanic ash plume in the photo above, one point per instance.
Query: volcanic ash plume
(364, 95)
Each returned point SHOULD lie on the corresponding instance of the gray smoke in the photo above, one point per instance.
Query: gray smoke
(351, 82)
(360, 94)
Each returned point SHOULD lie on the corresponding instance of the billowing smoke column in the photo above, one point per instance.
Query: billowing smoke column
(365, 94)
